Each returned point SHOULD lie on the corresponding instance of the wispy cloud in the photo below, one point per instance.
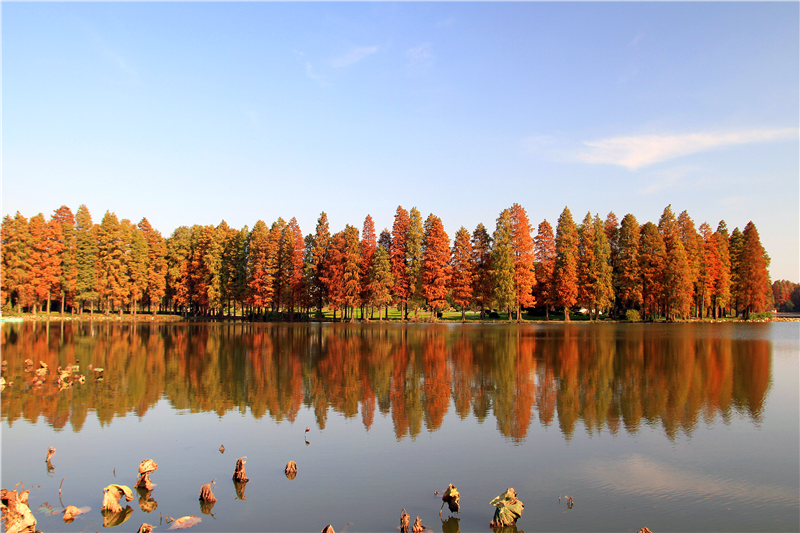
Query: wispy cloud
(683, 177)
(421, 55)
(353, 56)
(311, 73)
(637, 151)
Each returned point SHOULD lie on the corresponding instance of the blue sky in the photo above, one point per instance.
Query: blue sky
(191, 113)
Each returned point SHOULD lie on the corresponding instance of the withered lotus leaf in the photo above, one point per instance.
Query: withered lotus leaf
(71, 512)
(404, 519)
(51, 451)
(185, 521)
(111, 496)
(418, 527)
(146, 467)
(146, 501)
(16, 513)
(451, 498)
(205, 492)
(112, 519)
(509, 509)
(145, 528)
(328, 529)
(239, 475)
(291, 466)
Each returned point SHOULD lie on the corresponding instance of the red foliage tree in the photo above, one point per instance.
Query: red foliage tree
(523, 249)
(565, 273)
(545, 256)
(435, 264)
(462, 270)
(753, 277)
(398, 256)
(369, 244)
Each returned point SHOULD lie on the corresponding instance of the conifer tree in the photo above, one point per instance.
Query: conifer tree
(352, 270)
(722, 289)
(586, 273)
(398, 255)
(753, 277)
(602, 286)
(295, 263)
(63, 216)
(385, 240)
(687, 233)
(435, 265)
(503, 263)
(284, 248)
(414, 249)
(16, 268)
(668, 227)
(333, 272)
(261, 266)
(322, 238)
(652, 262)
(482, 262)
(735, 247)
(708, 271)
(156, 264)
(86, 250)
(462, 270)
(381, 282)
(369, 244)
(523, 249)
(45, 259)
(565, 273)
(113, 286)
(628, 281)
(137, 266)
(545, 256)
(179, 250)
(677, 282)
(611, 228)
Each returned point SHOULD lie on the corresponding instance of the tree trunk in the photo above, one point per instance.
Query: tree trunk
(566, 314)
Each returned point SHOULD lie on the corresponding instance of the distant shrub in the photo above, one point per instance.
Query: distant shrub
(632, 315)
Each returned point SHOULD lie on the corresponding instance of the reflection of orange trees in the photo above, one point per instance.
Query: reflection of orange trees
(603, 376)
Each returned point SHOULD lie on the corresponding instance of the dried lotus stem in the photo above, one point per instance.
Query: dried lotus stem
(239, 475)
(205, 492)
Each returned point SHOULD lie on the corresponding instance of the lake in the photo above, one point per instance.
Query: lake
(677, 427)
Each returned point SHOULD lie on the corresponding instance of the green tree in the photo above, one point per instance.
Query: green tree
(16, 268)
(380, 280)
(261, 266)
(414, 248)
(503, 262)
(602, 283)
(112, 286)
(482, 262)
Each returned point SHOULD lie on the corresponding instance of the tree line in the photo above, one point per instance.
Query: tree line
(671, 269)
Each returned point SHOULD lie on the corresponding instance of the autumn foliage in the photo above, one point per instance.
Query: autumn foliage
(671, 269)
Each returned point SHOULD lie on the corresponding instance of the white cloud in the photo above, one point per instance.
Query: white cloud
(420, 55)
(353, 56)
(634, 152)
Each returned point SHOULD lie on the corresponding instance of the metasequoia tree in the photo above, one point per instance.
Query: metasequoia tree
(179, 250)
(398, 257)
(687, 233)
(333, 272)
(523, 251)
(752, 276)
(652, 261)
(462, 270)
(284, 248)
(113, 286)
(586, 273)
(63, 216)
(602, 289)
(380, 280)
(708, 272)
(369, 244)
(261, 266)
(735, 247)
(351, 270)
(482, 263)
(137, 263)
(503, 263)
(627, 277)
(611, 229)
(322, 238)
(45, 260)
(85, 258)
(435, 265)
(677, 283)
(294, 277)
(722, 289)
(545, 257)
(414, 248)
(156, 264)
(565, 272)
(16, 269)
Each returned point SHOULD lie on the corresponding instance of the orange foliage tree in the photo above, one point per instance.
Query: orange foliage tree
(435, 264)
(523, 250)
(565, 272)
(545, 256)
(462, 270)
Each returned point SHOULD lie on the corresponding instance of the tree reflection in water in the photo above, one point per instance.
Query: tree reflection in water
(604, 376)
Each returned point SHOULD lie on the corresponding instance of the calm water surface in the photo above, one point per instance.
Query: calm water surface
(679, 427)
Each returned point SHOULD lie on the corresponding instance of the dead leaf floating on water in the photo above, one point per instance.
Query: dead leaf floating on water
(451, 498)
(145, 528)
(222, 449)
(418, 527)
(184, 522)
(111, 519)
(509, 509)
(205, 492)
(71, 512)
(328, 529)
(112, 495)
(146, 467)
(51, 451)
(644, 530)
(146, 501)
(239, 475)
(16, 513)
